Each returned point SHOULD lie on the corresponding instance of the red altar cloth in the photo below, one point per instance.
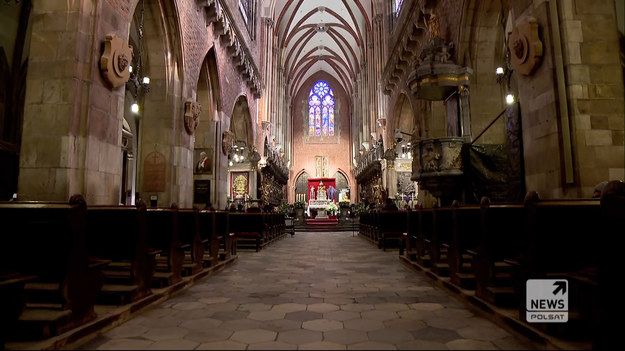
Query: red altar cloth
(326, 182)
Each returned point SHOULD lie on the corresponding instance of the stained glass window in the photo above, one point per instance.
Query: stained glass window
(321, 110)
(397, 6)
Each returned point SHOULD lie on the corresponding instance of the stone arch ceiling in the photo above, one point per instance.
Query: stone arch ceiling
(321, 35)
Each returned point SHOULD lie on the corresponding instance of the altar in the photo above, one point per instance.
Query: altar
(321, 193)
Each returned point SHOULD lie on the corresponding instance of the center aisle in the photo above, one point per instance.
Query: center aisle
(313, 291)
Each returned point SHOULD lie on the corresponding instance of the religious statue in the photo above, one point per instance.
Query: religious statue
(331, 192)
(321, 192)
(311, 196)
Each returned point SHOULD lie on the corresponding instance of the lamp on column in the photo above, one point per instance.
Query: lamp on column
(138, 85)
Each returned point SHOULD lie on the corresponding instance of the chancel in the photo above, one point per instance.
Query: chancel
(428, 158)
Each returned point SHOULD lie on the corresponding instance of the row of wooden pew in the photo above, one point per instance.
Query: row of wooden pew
(254, 230)
(489, 251)
(58, 260)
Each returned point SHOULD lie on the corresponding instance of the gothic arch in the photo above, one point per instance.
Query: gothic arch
(403, 116)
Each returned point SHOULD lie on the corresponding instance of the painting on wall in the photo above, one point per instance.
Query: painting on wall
(203, 161)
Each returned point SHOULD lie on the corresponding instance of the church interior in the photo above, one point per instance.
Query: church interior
(152, 149)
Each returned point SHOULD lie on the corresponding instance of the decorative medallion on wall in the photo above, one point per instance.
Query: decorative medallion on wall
(192, 112)
(227, 139)
(526, 49)
(115, 61)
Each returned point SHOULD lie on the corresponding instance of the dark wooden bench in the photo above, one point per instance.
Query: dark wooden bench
(163, 235)
(424, 236)
(501, 245)
(227, 241)
(189, 232)
(250, 229)
(390, 228)
(46, 273)
(210, 240)
(464, 241)
(118, 234)
(440, 240)
(408, 241)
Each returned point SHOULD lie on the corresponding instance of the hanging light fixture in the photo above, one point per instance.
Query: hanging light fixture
(137, 84)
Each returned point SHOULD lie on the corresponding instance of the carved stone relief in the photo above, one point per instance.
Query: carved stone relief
(526, 49)
(115, 61)
(192, 112)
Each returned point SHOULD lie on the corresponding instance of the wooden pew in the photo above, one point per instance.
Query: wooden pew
(118, 234)
(391, 226)
(464, 241)
(227, 241)
(47, 274)
(496, 258)
(189, 231)
(424, 236)
(440, 239)
(410, 236)
(210, 240)
(250, 229)
(163, 235)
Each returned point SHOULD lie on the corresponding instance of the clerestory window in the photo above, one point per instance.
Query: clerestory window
(321, 110)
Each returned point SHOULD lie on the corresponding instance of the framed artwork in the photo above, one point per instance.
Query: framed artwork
(203, 161)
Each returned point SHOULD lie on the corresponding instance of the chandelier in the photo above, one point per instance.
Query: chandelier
(138, 85)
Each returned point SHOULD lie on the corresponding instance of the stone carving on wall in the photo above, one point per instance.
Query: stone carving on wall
(115, 61)
(526, 48)
(227, 139)
(192, 112)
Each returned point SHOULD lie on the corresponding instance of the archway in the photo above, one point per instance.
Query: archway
(156, 122)
(206, 135)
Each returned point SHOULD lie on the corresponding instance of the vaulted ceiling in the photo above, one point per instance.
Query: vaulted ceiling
(322, 35)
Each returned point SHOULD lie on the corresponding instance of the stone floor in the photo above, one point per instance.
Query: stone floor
(313, 291)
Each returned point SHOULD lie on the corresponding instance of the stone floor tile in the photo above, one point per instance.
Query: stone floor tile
(156, 312)
(467, 344)
(371, 345)
(426, 306)
(414, 314)
(266, 315)
(289, 307)
(512, 343)
(446, 323)
(215, 299)
(392, 336)
(322, 307)
(422, 345)
(308, 300)
(322, 345)
(404, 324)
(241, 324)
(254, 307)
(379, 315)
(209, 335)
(341, 315)
(322, 325)
(303, 316)
(453, 313)
(272, 345)
(435, 334)
(229, 315)
(338, 300)
(485, 334)
(158, 334)
(162, 322)
(176, 344)
(280, 325)
(345, 336)
(126, 344)
(222, 345)
(363, 324)
(253, 336)
(300, 336)
(188, 306)
(396, 307)
(357, 307)
(201, 324)
(126, 331)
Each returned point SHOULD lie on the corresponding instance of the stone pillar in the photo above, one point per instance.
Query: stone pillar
(72, 122)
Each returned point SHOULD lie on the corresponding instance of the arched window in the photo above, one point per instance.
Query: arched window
(321, 110)
(398, 4)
